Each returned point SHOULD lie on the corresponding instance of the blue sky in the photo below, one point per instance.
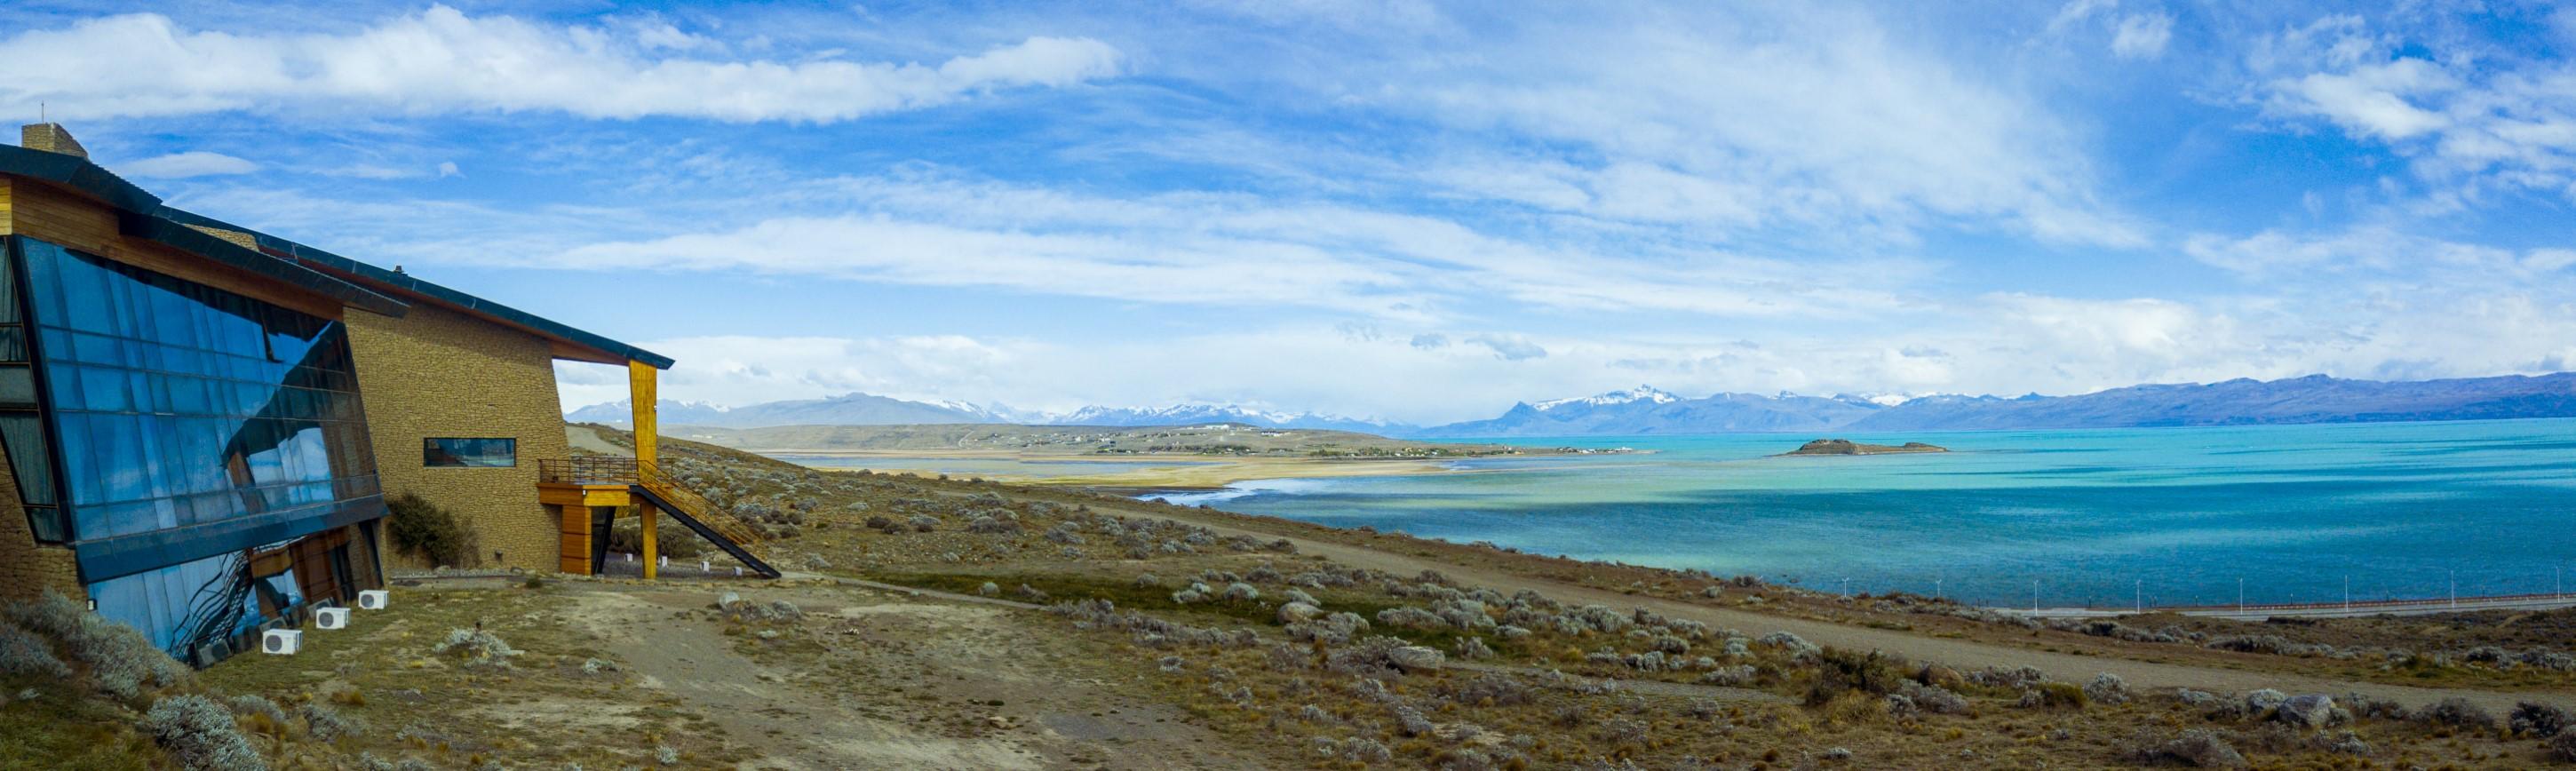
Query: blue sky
(1405, 210)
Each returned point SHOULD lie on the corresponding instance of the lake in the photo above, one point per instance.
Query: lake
(2101, 517)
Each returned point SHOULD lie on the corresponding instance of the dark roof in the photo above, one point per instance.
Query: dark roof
(409, 283)
(136, 218)
(145, 216)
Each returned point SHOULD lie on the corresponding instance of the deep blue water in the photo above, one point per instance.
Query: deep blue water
(2178, 515)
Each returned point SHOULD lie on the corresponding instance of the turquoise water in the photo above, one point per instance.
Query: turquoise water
(2101, 517)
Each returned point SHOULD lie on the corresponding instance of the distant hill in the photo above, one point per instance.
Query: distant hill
(1190, 414)
(1193, 439)
(2312, 399)
(854, 409)
(1646, 410)
(858, 409)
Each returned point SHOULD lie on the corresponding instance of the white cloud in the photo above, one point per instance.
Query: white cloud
(188, 164)
(445, 61)
(2466, 120)
(2142, 36)
(1800, 119)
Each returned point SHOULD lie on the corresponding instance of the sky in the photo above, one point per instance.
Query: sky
(1410, 211)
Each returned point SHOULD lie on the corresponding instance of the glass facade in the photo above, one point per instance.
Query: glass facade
(196, 430)
(179, 404)
(469, 453)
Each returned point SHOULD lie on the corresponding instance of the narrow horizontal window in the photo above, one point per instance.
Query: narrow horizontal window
(469, 453)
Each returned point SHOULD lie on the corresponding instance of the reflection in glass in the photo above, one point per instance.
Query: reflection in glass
(177, 404)
(469, 453)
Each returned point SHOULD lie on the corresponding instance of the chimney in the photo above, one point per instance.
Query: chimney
(50, 137)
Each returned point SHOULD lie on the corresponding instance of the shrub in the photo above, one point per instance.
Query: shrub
(2061, 695)
(200, 735)
(2562, 747)
(328, 724)
(121, 661)
(254, 704)
(26, 654)
(422, 529)
(476, 649)
(2198, 747)
(627, 536)
(2107, 688)
(1841, 671)
(2456, 712)
(2540, 720)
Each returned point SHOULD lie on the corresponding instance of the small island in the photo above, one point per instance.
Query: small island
(1849, 447)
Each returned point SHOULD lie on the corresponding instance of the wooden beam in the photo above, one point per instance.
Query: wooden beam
(652, 547)
(640, 390)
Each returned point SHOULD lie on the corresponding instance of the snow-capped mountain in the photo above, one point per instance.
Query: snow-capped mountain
(1643, 393)
(1647, 410)
(1183, 414)
(852, 409)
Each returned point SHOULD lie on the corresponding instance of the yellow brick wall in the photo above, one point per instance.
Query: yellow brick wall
(440, 373)
(28, 568)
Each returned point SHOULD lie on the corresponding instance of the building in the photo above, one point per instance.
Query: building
(200, 424)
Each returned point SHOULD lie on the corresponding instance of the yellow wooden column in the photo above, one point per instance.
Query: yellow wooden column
(641, 393)
(639, 382)
(652, 548)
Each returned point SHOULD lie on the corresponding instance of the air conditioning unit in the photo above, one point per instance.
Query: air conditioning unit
(373, 599)
(281, 642)
(331, 618)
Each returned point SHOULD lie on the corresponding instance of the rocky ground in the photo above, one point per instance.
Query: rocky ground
(956, 624)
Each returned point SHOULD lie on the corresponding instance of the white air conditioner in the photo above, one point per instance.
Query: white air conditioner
(281, 642)
(373, 599)
(331, 618)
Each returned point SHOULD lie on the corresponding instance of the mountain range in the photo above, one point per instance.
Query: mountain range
(1647, 410)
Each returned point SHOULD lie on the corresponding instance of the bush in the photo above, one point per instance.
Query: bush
(2540, 720)
(422, 529)
(121, 661)
(248, 705)
(2198, 747)
(1840, 671)
(2107, 688)
(2562, 747)
(2456, 712)
(328, 724)
(2061, 695)
(476, 649)
(627, 536)
(26, 654)
(200, 735)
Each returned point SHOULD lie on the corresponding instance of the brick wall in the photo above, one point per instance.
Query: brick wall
(28, 568)
(441, 373)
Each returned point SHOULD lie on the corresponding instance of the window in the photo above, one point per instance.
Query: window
(469, 453)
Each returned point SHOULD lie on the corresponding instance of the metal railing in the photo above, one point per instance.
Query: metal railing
(589, 469)
(609, 469)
